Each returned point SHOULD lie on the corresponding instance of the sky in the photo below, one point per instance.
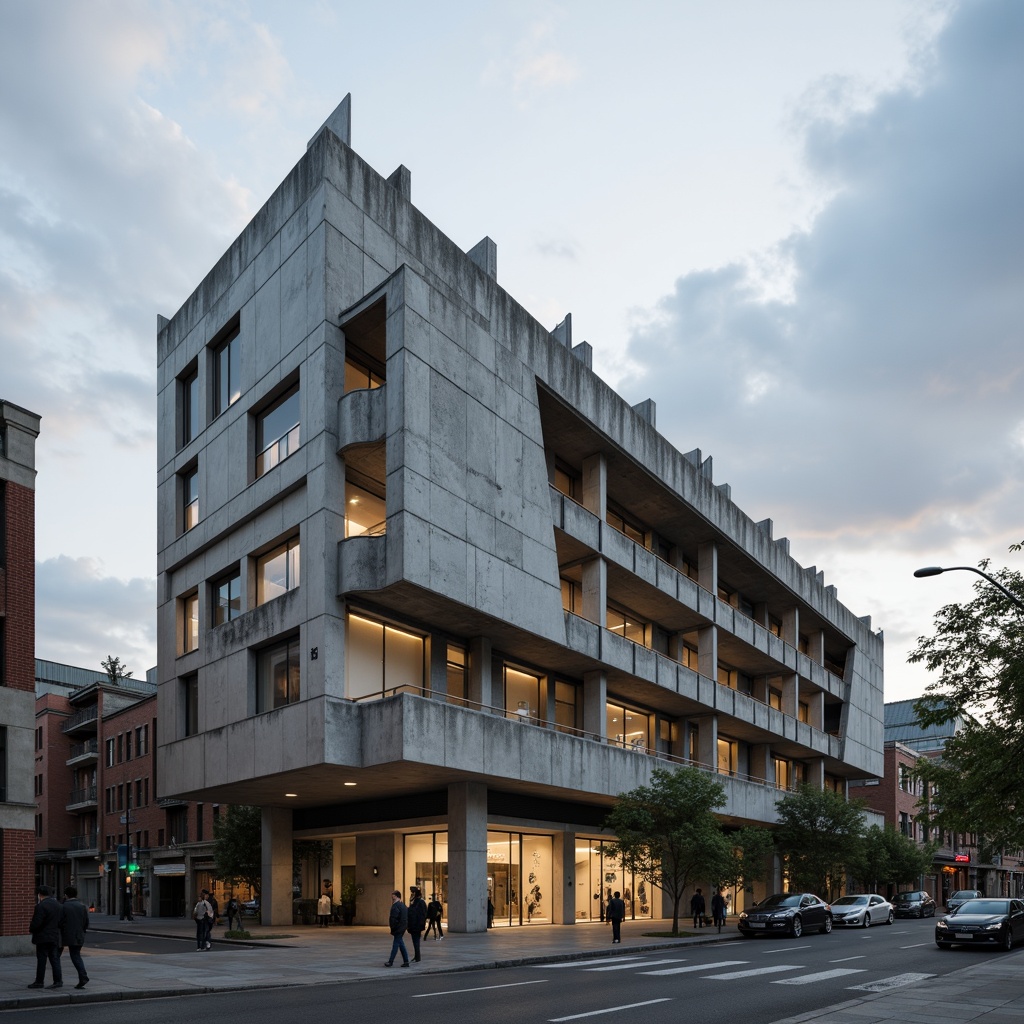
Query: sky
(798, 226)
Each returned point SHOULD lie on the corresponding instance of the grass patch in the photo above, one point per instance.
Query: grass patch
(237, 933)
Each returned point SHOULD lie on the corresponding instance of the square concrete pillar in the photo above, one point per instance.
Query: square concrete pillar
(563, 878)
(815, 773)
(595, 485)
(276, 892)
(761, 762)
(791, 627)
(480, 670)
(467, 857)
(595, 591)
(816, 647)
(790, 695)
(816, 709)
(595, 704)
(707, 741)
(707, 567)
(707, 652)
(438, 673)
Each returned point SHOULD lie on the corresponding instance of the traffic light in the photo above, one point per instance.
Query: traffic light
(122, 856)
(133, 869)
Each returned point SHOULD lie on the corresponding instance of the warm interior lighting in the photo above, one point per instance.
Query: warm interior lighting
(291, 794)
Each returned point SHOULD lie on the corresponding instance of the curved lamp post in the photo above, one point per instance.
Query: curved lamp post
(935, 570)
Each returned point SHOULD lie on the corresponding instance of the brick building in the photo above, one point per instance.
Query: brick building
(19, 429)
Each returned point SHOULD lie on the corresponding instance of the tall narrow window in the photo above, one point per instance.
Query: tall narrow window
(189, 624)
(277, 432)
(277, 571)
(227, 389)
(189, 406)
(277, 675)
(365, 513)
(190, 499)
(190, 705)
(227, 603)
(522, 695)
(565, 706)
(456, 674)
(628, 728)
(728, 756)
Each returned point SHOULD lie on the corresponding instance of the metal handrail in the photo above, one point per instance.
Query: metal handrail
(82, 796)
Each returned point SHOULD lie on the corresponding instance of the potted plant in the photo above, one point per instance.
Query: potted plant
(350, 892)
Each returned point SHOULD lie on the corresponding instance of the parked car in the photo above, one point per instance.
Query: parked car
(913, 904)
(962, 896)
(988, 921)
(791, 913)
(861, 910)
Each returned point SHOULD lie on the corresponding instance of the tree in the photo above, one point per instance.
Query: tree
(238, 845)
(820, 833)
(752, 847)
(888, 857)
(667, 832)
(977, 651)
(116, 670)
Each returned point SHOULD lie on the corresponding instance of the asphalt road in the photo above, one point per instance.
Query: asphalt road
(760, 980)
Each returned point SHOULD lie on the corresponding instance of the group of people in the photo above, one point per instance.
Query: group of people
(698, 909)
(55, 925)
(414, 918)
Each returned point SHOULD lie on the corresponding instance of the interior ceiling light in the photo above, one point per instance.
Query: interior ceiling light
(350, 783)
(291, 794)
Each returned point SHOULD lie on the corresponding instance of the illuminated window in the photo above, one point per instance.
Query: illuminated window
(277, 675)
(625, 624)
(631, 529)
(365, 513)
(565, 706)
(628, 728)
(359, 375)
(277, 571)
(381, 659)
(728, 756)
(775, 699)
(572, 596)
(455, 670)
(564, 481)
(189, 623)
(803, 712)
(190, 499)
(227, 598)
(277, 432)
(522, 694)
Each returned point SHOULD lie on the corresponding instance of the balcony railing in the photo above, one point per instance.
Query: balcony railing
(82, 796)
(80, 718)
(84, 842)
(82, 749)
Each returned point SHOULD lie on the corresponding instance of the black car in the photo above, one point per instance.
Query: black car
(983, 921)
(791, 913)
(962, 896)
(913, 904)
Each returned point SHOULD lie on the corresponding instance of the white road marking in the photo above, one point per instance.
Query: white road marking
(896, 981)
(634, 964)
(916, 945)
(842, 960)
(730, 975)
(698, 967)
(587, 963)
(785, 949)
(810, 979)
(482, 988)
(610, 1009)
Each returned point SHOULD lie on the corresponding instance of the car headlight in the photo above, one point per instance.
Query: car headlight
(994, 927)
(743, 916)
(941, 924)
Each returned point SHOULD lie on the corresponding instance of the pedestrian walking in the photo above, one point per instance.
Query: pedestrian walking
(435, 912)
(398, 922)
(616, 913)
(417, 919)
(202, 914)
(718, 908)
(698, 908)
(212, 900)
(74, 923)
(45, 929)
(323, 910)
(234, 914)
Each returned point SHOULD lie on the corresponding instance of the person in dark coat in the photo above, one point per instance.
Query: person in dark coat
(417, 919)
(73, 926)
(718, 908)
(435, 914)
(698, 908)
(615, 912)
(45, 929)
(398, 922)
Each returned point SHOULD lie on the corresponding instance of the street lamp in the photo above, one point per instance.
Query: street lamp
(935, 570)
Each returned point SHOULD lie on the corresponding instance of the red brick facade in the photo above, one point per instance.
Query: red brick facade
(18, 587)
(18, 872)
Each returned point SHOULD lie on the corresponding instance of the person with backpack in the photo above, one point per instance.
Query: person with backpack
(202, 914)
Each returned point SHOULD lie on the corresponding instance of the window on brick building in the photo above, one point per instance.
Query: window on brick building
(199, 823)
(142, 740)
(110, 752)
(128, 745)
(120, 748)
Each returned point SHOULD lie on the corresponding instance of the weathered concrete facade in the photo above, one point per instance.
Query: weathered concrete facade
(428, 584)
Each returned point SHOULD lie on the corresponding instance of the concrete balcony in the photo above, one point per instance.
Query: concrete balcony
(362, 417)
(83, 753)
(84, 845)
(81, 723)
(82, 799)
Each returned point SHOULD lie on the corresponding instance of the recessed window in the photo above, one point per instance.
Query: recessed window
(277, 675)
(728, 756)
(456, 674)
(227, 598)
(189, 499)
(277, 432)
(190, 704)
(189, 406)
(625, 624)
(189, 623)
(627, 728)
(277, 571)
(359, 375)
(365, 512)
(381, 659)
(226, 387)
(565, 706)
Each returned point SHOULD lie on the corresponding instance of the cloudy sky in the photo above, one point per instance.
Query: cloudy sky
(797, 225)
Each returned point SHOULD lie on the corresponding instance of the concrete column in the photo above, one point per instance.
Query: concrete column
(595, 485)
(336, 870)
(563, 878)
(815, 773)
(816, 647)
(761, 762)
(547, 700)
(791, 627)
(276, 893)
(467, 857)
(816, 708)
(438, 670)
(480, 670)
(595, 704)
(595, 591)
(707, 652)
(790, 694)
(707, 741)
(761, 614)
(707, 566)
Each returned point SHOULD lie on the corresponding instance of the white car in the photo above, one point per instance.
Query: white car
(861, 910)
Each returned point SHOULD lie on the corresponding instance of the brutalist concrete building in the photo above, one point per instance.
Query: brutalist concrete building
(431, 590)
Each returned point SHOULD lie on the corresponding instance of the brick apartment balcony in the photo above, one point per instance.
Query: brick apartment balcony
(81, 722)
(84, 844)
(83, 753)
(82, 799)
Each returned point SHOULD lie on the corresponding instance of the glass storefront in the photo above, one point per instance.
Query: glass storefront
(518, 874)
(599, 876)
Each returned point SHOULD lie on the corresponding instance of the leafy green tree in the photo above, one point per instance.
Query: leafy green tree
(317, 852)
(667, 832)
(820, 833)
(888, 857)
(977, 653)
(238, 845)
(115, 669)
(752, 849)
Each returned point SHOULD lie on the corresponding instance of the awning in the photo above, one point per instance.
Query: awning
(168, 869)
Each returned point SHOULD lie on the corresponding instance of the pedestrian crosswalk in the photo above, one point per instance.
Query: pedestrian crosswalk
(731, 970)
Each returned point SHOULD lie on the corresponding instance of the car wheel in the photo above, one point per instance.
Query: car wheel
(890, 918)
(943, 945)
(827, 926)
(1008, 940)
(920, 913)
(867, 920)
(797, 927)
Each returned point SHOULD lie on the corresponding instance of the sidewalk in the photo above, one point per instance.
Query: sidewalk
(989, 991)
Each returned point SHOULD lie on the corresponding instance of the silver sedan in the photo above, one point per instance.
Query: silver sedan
(861, 910)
